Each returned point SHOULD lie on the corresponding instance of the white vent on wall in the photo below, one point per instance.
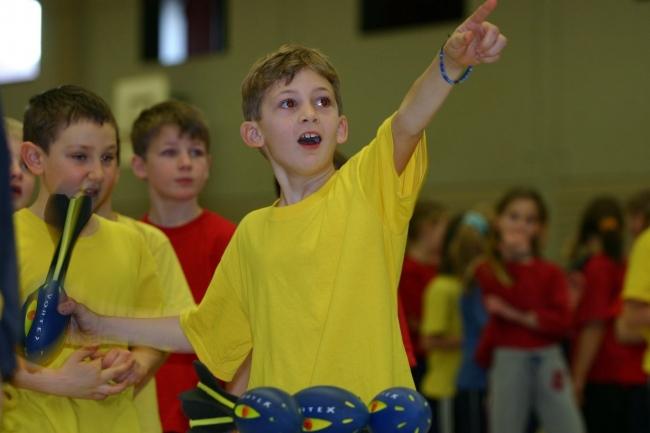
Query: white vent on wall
(20, 40)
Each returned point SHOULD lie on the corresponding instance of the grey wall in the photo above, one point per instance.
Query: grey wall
(566, 109)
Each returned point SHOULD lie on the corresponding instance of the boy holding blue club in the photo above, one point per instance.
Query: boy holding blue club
(70, 141)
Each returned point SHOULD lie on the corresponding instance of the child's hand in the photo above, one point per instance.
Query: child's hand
(82, 376)
(497, 306)
(475, 41)
(119, 356)
(85, 324)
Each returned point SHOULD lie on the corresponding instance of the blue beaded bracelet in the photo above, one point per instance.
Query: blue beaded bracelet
(443, 71)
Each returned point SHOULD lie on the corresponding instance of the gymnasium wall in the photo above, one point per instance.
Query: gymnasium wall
(566, 109)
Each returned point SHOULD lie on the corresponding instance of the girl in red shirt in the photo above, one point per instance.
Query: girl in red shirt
(528, 305)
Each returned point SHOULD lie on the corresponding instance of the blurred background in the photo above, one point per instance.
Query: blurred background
(566, 110)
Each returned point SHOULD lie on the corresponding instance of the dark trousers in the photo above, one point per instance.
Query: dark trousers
(616, 408)
(470, 411)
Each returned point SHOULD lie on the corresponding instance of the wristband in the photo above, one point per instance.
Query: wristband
(443, 71)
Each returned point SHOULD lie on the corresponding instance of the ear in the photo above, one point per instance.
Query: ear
(251, 134)
(33, 156)
(138, 165)
(342, 130)
(209, 166)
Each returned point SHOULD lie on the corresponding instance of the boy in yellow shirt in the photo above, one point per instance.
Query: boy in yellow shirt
(70, 139)
(176, 293)
(311, 282)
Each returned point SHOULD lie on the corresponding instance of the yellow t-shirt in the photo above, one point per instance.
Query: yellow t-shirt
(637, 280)
(113, 273)
(177, 297)
(313, 286)
(441, 317)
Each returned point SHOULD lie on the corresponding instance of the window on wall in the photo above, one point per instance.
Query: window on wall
(378, 15)
(20, 40)
(175, 30)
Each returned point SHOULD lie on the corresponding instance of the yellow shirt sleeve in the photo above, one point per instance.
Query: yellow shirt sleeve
(637, 278)
(219, 328)
(176, 291)
(380, 181)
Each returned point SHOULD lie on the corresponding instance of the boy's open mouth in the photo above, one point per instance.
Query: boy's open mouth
(309, 138)
(92, 192)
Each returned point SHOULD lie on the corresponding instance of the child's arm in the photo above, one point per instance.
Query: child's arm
(239, 384)
(587, 346)
(634, 319)
(497, 306)
(149, 360)
(440, 342)
(163, 333)
(81, 376)
(473, 42)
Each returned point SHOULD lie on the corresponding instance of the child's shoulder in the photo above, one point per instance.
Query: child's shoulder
(446, 284)
(25, 217)
(116, 231)
(154, 237)
(29, 229)
(546, 265)
(254, 218)
(216, 221)
(643, 241)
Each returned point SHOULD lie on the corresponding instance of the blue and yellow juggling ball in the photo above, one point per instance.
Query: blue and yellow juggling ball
(399, 410)
(330, 409)
(267, 410)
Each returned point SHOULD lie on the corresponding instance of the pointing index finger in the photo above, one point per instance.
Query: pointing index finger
(482, 12)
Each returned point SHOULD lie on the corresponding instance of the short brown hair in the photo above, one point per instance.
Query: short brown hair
(187, 118)
(284, 64)
(54, 110)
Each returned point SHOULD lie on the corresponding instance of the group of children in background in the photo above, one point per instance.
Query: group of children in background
(514, 343)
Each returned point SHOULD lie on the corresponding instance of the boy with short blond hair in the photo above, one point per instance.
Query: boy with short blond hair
(70, 139)
(311, 281)
(171, 146)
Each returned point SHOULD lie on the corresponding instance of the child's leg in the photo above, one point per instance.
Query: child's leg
(638, 406)
(604, 408)
(554, 401)
(445, 412)
(511, 385)
(470, 411)
(434, 404)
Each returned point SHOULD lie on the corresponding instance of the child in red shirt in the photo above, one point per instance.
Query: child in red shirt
(607, 374)
(171, 144)
(527, 301)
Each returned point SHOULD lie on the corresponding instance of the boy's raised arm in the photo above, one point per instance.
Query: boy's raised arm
(474, 42)
(163, 333)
